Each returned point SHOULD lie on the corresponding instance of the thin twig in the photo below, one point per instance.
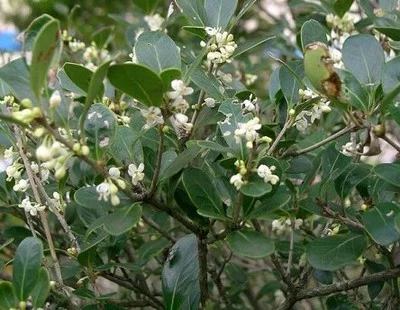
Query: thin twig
(291, 248)
(321, 143)
(154, 225)
(202, 249)
(42, 214)
(59, 216)
(274, 145)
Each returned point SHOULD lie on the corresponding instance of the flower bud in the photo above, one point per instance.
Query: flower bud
(85, 150)
(26, 103)
(60, 173)
(55, 99)
(115, 200)
(76, 147)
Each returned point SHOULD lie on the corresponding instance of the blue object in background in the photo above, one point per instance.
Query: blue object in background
(8, 42)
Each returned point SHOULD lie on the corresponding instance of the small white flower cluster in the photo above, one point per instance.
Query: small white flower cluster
(58, 202)
(14, 171)
(28, 114)
(334, 230)
(7, 100)
(283, 225)
(136, 173)
(94, 55)
(107, 189)
(341, 25)
(238, 179)
(266, 173)
(317, 110)
(249, 105)
(221, 46)
(182, 124)
(250, 79)
(209, 102)
(155, 22)
(179, 91)
(153, 117)
(55, 99)
(248, 131)
(76, 45)
(31, 207)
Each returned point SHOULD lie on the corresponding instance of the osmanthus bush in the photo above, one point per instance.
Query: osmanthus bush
(162, 178)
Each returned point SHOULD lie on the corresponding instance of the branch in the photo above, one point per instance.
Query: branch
(274, 145)
(392, 143)
(154, 181)
(323, 142)
(43, 214)
(202, 249)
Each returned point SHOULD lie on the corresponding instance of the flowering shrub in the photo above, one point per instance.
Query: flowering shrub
(171, 176)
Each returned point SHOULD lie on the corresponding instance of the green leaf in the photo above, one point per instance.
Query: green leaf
(312, 31)
(388, 5)
(379, 221)
(180, 275)
(334, 164)
(290, 84)
(194, 10)
(339, 302)
(42, 55)
(363, 56)
(248, 243)
(7, 296)
(126, 147)
(334, 252)
(42, 289)
(245, 8)
(202, 193)
(69, 85)
(389, 172)
(353, 90)
(269, 204)
(147, 6)
(103, 36)
(391, 76)
(249, 45)
(26, 266)
(79, 75)
(88, 198)
(157, 51)
(151, 249)
(220, 12)
(208, 83)
(353, 176)
(33, 30)
(256, 188)
(342, 6)
(99, 128)
(96, 87)
(14, 79)
(180, 162)
(138, 82)
(122, 220)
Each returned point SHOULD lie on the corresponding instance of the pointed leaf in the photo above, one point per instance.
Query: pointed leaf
(122, 220)
(26, 266)
(248, 243)
(42, 289)
(180, 276)
(138, 82)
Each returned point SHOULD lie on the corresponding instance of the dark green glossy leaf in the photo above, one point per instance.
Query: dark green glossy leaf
(151, 249)
(126, 146)
(42, 289)
(312, 31)
(353, 176)
(256, 188)
(79, 75)
(138, 82)
(363, 56)
(202, 193)
(220, 12)
(353, 90)
(248, 243)
(180, 276)
(122, 220)
(43, 51)
(157, 51)
(342, 6)
(379, 221)
(389, 172)
(335, 252)
(96, 87)
(14, 79)
(27, 263)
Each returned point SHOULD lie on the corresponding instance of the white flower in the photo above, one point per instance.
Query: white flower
(237, 181)
(278, 225)
(179, 90)
(181, 118)
(301, 124)
(153, 116)
(55, 99)
(266, 173)
(33, 209)
(209, 102)
(222, 46)
(297, 223)
(114, 172)
(8, 153)
(14, 171)
(250, 79)
(136, 173)
(248, 130)
(104, 191)
(35, 167)
(211, 31)
(170, 10)
(182, 122)
(349, 149)
(76, 45)
(249, 105)
(21, 186)
(154, 22)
